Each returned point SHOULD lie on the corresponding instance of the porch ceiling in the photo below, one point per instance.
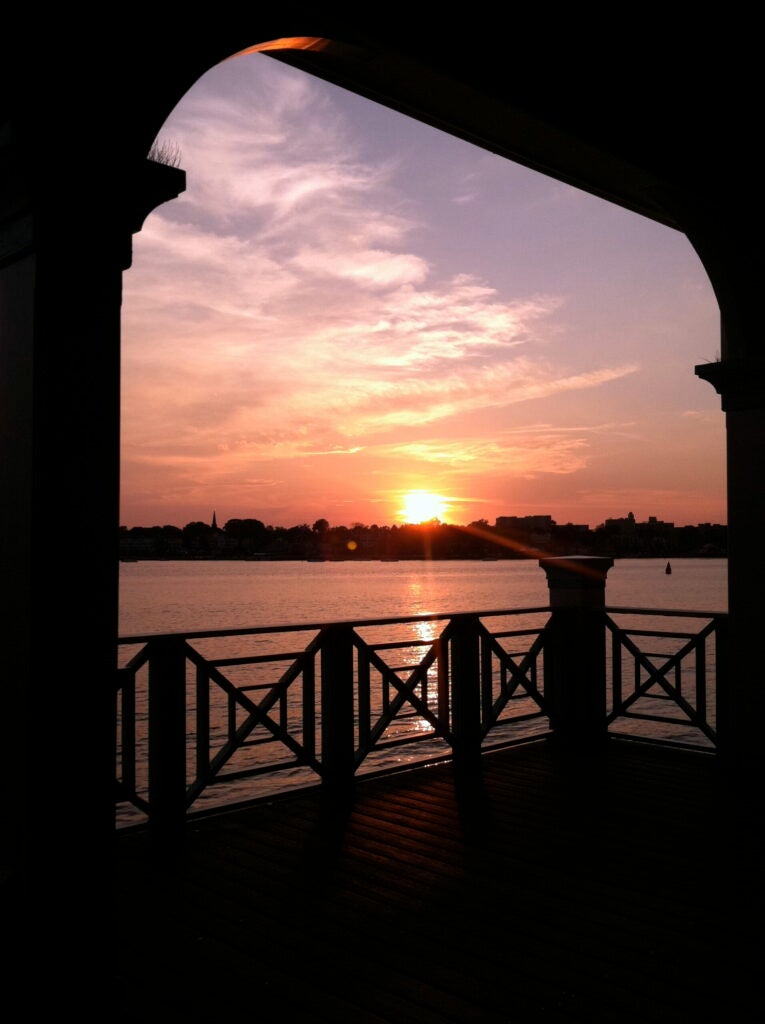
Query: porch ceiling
(636, 119)
(638, 114)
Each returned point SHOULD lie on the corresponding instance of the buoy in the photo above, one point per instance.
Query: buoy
(668, 570)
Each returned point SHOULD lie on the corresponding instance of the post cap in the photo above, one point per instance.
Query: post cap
(572, 575)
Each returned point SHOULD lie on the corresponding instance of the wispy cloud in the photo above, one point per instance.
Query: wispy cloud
(287, 309)
(270, 149)
(527, 452)
(367, 268)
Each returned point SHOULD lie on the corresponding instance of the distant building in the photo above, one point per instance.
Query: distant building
(628, 537)
(625, 525)
(524, 523)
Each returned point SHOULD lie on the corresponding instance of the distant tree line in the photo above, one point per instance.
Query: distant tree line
(509, 537)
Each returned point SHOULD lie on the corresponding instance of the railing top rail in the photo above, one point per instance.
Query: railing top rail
(305, 627)
(678, 613)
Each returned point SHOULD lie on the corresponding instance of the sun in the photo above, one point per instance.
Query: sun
(421, 506)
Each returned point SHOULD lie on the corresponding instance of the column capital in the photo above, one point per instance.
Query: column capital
(741, 384)
(577, 581)
(153, 184)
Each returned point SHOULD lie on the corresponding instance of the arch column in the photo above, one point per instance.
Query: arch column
(65, 239)
(741, 714)
(720, 223)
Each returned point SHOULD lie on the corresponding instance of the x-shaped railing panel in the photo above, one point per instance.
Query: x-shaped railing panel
(405, 693)
(520, 672)
(256, 714)
(657, 675)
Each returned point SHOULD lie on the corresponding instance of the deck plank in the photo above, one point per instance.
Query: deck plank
(612, 889)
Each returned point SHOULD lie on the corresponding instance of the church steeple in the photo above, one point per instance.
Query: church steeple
(214, 522)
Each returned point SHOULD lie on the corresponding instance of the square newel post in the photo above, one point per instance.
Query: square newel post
(575, 661)
(338, 756)
(167, 740)
(466, 693)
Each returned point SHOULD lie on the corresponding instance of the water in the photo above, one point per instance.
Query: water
(189, 596)
(165, 597)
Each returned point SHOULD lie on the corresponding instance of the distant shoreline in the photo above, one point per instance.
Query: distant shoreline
(422, 558)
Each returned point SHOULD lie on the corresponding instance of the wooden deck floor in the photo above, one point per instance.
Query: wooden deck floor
(621, 888)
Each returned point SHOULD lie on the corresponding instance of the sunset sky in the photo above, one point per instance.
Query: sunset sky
(347, 305)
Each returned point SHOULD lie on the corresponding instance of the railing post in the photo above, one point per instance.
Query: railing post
(337, 722)
(167, 738)
(575, 666)
(466, 692)
(722, 698)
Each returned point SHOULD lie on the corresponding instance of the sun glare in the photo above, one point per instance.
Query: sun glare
(421, 506)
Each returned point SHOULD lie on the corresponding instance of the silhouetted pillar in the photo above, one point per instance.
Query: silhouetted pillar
(722, 229)
(337, 712)
(466, 692)
(167, 739)
(575, 654)
(741, 384)
(65, 238)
